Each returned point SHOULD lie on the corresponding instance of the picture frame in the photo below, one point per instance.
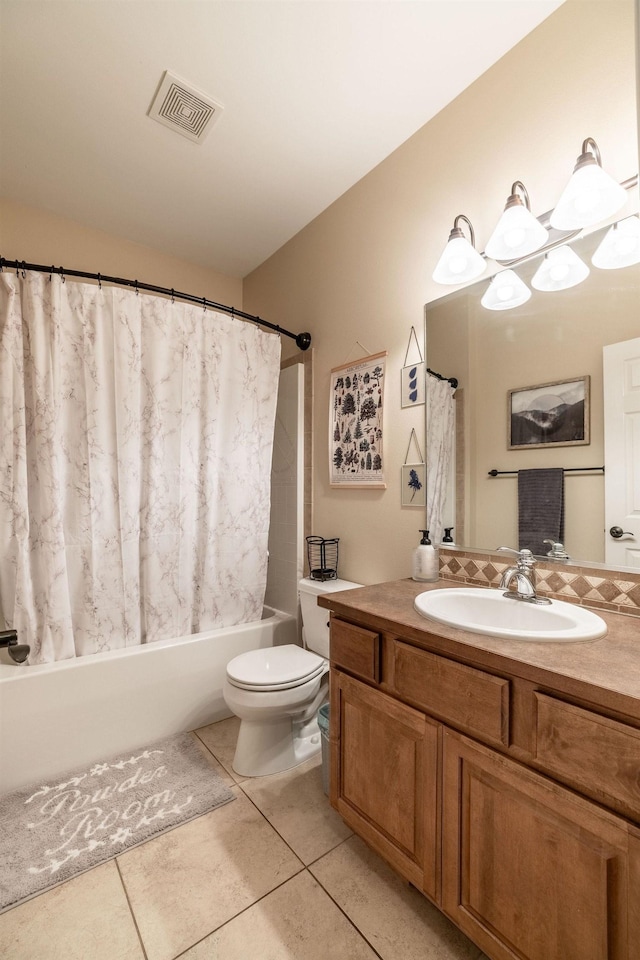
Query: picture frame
(356, 414)
(414, 485)
(549, 414)
(412, 385)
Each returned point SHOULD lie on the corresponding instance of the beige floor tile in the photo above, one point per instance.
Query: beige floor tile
(185, 883)
(221, 738)
(298, 921)
(221, 770)
(396, 920)
(87, 917)
(295, 804)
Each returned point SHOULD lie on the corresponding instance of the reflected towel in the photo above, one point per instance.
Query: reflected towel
(540, 508)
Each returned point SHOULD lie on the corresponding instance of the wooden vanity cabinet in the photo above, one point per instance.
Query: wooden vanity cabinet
(526, 867)
(531, 869)
(385, 777)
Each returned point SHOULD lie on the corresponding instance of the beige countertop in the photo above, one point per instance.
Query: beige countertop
(604, 672)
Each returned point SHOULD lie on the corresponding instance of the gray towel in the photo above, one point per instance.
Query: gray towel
(540, 508)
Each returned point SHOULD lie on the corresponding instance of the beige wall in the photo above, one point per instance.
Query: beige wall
(37, 236)
(361, 271)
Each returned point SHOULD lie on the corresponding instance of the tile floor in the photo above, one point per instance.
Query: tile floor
(275, 875)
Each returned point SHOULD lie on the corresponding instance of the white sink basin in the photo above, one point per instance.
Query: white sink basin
(489, 612)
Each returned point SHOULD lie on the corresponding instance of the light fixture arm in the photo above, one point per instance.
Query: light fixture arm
(457, 231)
(586, 157)
(515, 199)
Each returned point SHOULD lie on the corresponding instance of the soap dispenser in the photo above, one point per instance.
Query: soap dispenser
(425, 560)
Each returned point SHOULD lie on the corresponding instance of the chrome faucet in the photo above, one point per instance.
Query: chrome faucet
(524, 577)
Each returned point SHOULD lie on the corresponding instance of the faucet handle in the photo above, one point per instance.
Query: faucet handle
(525, 557)
(557, 550)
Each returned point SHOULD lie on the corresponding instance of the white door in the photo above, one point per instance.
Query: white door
(621, 368)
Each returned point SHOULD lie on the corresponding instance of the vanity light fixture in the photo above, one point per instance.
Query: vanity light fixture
(517, 233)
(505, 291)
(620, 247)
(560, 269)
(591, 194)
(460, 261)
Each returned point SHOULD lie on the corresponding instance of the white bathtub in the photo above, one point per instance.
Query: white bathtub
(55, 717)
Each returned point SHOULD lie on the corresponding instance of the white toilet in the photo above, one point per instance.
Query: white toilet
(277, 691)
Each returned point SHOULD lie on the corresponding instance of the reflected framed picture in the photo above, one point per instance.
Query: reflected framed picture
(550, 414)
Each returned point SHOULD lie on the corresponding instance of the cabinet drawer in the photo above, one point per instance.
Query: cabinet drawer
(355, 649)
(596, 754)
(469, 699)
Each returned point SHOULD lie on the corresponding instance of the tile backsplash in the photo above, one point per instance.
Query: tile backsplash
(588, 586)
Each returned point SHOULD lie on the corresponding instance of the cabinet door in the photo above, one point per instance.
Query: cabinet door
(531, 870)
(385, 777)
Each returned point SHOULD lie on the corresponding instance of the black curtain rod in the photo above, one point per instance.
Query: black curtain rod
(303, 340)
(500, 473)
(452, 380)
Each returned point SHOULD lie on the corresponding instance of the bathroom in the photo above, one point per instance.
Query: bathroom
(357, 278)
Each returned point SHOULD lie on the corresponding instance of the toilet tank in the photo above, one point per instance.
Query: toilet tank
(315, 619)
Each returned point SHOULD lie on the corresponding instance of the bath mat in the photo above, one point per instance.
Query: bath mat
(55, 831)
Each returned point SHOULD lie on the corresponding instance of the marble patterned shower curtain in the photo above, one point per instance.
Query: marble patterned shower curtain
(441, 425)
(135, 453)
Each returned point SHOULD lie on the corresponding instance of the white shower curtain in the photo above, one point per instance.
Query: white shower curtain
(441, 425)
(135, 451)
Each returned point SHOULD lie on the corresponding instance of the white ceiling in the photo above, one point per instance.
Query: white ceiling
(315, 94)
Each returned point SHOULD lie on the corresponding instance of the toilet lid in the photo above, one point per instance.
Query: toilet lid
(274, 668)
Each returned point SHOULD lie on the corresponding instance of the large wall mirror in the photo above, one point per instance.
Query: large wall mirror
(553, 339)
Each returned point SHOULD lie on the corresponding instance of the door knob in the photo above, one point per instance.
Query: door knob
(617, 533)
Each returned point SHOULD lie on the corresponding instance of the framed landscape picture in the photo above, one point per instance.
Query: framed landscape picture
(555, 413)
(356, 397)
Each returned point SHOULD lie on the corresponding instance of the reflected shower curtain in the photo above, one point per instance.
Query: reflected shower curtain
(441, 426)
(135, 451)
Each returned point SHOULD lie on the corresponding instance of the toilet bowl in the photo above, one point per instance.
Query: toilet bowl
(276, 692)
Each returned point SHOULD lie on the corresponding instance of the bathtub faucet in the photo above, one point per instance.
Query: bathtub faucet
(17, 651)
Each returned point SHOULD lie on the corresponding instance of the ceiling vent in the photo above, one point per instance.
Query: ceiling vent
(184, 109)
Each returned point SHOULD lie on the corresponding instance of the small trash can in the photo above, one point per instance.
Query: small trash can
(323, 723)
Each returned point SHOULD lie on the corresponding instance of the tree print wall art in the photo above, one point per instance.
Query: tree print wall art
(355, 423)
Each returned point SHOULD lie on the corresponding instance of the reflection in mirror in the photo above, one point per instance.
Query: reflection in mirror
(550, 346)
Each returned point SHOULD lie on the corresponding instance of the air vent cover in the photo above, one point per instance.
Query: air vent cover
(184, 109)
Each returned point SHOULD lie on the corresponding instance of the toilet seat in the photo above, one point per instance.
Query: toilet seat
(274, 668)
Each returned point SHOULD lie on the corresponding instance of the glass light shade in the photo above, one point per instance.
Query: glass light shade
(590, 196)
(505, 291)
(460, 261)
(620, 246)
(517, 234)
(561, 268)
